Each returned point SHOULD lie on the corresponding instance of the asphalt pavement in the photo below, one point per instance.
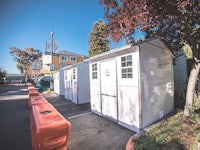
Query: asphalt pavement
(14, 118)
(88, 130)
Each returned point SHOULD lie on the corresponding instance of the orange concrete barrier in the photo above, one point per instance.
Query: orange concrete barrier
(35, 100)
(49, 129)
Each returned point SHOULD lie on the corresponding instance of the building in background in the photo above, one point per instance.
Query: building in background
(55, 61)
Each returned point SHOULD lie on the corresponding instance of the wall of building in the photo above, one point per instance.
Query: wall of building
(57, 62)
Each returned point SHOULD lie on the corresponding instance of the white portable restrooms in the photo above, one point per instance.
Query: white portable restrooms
(58, 77)
(133, 85)
(77, 83)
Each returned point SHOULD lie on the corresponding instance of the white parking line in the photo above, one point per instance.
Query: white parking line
(79, 115)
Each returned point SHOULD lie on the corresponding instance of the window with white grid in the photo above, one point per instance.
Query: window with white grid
(126, 66)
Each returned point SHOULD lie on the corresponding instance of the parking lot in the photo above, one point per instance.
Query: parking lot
(88, 130)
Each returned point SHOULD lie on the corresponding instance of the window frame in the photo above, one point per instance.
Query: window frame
(126, 67)
(66, 58)
(74, 74)
(94, 71)
(74, 58)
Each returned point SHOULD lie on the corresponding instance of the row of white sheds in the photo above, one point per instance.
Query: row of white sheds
(132, 85)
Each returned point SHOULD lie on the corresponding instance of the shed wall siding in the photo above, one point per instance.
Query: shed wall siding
(83, 82)
(180, 75)
(157, 81)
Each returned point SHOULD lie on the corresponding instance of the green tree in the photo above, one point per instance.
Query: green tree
(25, 57)
(176, 22)
(97, 40)
(2, 73)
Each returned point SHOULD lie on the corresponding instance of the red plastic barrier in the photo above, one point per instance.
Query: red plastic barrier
(33, 92)
(130, 143)
(29, 84)
(31, 88)
(49, 129)
(35, 100)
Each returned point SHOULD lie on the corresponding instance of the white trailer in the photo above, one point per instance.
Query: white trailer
(59, 87)
(133, 85)
(77, 83)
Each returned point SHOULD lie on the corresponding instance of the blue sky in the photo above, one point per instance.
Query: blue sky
(27, 23)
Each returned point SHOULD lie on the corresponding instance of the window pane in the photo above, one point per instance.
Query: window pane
(129, 63)
(130, 70)
(123, 75)
(123, 64)
(130, 75)
(124, 71)
(129, 57)
(123, 58)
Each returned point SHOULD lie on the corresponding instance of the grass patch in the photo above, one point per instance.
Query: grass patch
(173, 133)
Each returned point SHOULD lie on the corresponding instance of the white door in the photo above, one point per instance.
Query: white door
(95, 93)
(65, 82)
(69, 85)
(74, 85)
(109, 88)
(58, 83)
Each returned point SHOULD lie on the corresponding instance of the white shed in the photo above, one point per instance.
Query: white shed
(59, 87)
(133, 85)
(77, 83)
(180, 74)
